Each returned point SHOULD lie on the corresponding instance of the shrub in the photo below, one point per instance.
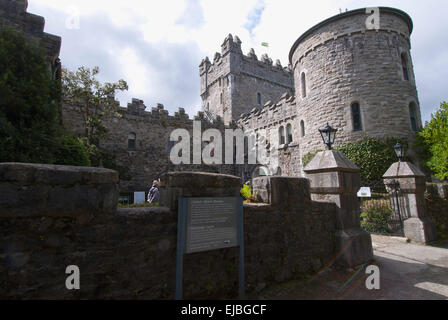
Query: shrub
(29, 100)
(376, 215)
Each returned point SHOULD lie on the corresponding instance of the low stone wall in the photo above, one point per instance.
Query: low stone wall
(131, 253)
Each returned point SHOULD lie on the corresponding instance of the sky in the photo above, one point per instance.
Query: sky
(157, 46)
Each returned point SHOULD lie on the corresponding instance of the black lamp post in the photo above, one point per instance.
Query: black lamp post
(399, 151)
(328, 135)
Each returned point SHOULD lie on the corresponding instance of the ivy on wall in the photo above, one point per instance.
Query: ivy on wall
(372, 156)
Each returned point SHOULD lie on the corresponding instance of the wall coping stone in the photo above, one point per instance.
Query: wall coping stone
(31, 173)
(330, 160)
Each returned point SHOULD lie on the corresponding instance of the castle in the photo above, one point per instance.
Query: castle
(359, 80)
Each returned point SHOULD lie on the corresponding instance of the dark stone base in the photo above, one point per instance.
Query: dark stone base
(354, 247)
(421, 230)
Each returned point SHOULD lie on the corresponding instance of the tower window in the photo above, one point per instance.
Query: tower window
(412, 112)
(131, 141)
(219, 81)
(289, 132)
(302, 128)
(281, 134)
(404, 65)
(220, 97)
(259, 98)
(356, 116)
(303, 84)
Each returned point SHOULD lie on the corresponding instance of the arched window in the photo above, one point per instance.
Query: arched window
(219, 81)
(208, 106)
(303, 84)
(289, 132)
(220, 97)
(302, 128)
(404, 65)
(356, 117)
(412, 115)
(281, 134)
(131, 141)
(259, 98)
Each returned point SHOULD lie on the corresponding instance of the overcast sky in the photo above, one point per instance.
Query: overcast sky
(157, 46)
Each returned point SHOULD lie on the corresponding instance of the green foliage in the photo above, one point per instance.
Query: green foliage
(29, 102)
(372, 156)
(432, 142)
(306, 159)
(94, 99)
(71, 151)
(95, 104)
(246, 191)
(438, 212)
(376, 215)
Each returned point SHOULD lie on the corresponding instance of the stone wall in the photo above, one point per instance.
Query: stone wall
(131, 253)
(238, 78)
(151, 156)
(13, 14)
(344, 63)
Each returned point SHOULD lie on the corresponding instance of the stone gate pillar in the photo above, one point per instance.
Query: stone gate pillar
(417, 225)
(334, 178)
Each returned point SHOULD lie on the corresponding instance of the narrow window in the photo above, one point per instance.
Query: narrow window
(412, 111)
(302, 128)
(131, 141)
(303, 84)
(356, 116)
(219, 81)
(289, 132)
(281, 134)
(259, 98)
(221, 98)
(404, 65)
(228, 80)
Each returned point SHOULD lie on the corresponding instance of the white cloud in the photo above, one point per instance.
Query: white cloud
(128, 40)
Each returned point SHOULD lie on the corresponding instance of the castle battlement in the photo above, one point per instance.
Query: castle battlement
(13, 14)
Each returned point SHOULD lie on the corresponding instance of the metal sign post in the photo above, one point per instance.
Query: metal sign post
(206, 224)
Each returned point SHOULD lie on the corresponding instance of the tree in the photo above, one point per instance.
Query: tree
(432, 142)
(29, 120)
(94, 100)
(96, 103)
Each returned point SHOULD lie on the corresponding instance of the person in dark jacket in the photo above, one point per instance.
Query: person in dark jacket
(154, 194)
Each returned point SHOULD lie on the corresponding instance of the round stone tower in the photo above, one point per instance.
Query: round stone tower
(355, 71)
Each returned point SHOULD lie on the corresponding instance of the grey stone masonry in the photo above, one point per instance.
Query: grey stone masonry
(418, 226)
(13, 14)
(130, 253)
(50, 190)
(236, 83)
(334, 178)
(344, 63)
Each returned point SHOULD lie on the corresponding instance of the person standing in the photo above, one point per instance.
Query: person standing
(154, 194)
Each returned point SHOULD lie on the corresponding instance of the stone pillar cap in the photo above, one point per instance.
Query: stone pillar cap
(403, 169)
(331, 160)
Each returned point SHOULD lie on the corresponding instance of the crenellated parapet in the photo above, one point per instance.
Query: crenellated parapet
(271, 114)
(13, 14)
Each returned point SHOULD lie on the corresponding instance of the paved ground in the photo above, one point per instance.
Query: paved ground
(407, 272)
